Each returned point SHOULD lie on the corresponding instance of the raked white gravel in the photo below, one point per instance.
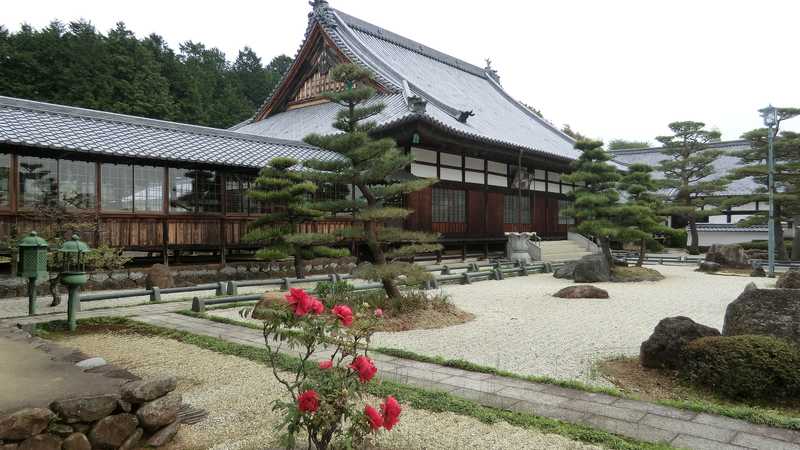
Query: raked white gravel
(522, 328)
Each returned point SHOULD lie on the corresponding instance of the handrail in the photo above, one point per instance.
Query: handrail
(584, 241)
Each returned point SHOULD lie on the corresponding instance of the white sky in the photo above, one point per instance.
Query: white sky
(611, 69)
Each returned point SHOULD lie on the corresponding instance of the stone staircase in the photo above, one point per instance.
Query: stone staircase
(560, 251)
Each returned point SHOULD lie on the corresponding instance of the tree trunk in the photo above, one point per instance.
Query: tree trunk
(780, 245)
(299, 266)
(694, 246)
(642, 251)
(605, 245)
(389, 285)
(796, 240)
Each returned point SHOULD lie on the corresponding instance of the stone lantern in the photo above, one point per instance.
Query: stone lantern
(32, 264)
(72, 256)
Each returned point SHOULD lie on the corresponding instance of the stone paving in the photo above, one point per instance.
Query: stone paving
(636, 419)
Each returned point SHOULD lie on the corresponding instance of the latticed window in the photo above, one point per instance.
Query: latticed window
(194, 190)
(564, 218)
(38, 180)
(116, 190)
(148, 188)
(511, 212)
(449, 205)
(5, 177)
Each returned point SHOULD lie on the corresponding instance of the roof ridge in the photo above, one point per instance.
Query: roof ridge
(409, 44)
(719, 144)
(75, 111)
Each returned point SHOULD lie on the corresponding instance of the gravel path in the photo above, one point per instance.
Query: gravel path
(522, 328)
(237, 393)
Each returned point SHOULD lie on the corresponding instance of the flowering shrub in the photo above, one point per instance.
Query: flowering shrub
(325, 397)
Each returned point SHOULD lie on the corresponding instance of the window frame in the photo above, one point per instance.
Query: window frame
(458, 197)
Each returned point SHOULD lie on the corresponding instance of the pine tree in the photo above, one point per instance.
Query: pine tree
(289, 197)
(372, 166)
(787, 179)
(596, 196)
(688, 172)
(638, 217)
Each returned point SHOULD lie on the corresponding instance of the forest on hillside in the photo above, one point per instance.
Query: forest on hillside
(74, 64)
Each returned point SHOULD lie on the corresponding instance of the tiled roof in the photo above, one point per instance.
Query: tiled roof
(450, 86)
(722, 166)
(731, 227)
(45, 125)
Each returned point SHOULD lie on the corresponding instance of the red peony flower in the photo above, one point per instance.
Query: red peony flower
(379, 313)
(300, 301)
(344, 313)
(326, 364)
(316, 306)
(391, 412)
(308, 401)
(374, 417)
(365, 368)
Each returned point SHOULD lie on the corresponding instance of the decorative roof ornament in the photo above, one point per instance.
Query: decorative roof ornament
(417, 104)
(491, 71)
(319, 7)
(464, 115)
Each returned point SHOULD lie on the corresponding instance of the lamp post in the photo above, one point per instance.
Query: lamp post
(73, 275)
(770, 115)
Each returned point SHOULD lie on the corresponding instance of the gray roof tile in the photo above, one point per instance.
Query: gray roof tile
(45, 125)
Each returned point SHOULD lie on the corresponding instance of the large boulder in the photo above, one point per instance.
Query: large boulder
(581, 292)
(160, 276)
(160, 412)
(24, 423)
(164, 435)
(789, 280)
(709, 267)
(592, 269)
(566, 271)
(41, 442)
(110, 433)
(730, 255)
(769, 312)
(85, 409)
(76, 441)
(664, 348)
(141, 391)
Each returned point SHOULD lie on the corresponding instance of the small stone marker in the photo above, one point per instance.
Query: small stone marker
(91, 363)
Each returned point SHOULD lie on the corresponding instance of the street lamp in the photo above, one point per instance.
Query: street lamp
(770, 115)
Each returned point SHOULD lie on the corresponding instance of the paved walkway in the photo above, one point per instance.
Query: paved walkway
(640, 420)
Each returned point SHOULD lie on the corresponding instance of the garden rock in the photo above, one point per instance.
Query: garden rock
(60, 429)
(9, 447)
(709, 266)
(146, 390)
(41, 442)
(789, 280)
(566, 271)
(581, 292)
(76, 441)
(758, 272)
(164, 435)
(133, 440)
(85, 409)
(110, 433)
(730, 255)
(24, 423)
(91, 363)
(159, 276)
(160, 412)
(592, 269)
(664, 348)
(769, 312)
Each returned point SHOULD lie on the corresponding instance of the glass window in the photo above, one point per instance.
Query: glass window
(116, 190)
(564, 218)
(511, 209)
(38, 181)
(449, 205)
(238, 201)
(148, 188)
(76, 183)
(5, 174)
(193, 190)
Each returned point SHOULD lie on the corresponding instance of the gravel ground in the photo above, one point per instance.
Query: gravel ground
(522, 328)
(237, 393)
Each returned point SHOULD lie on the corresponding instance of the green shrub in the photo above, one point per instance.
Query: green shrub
(330, 291)
(677, 239)
(744, 367)
(654, 247)
(342, 292)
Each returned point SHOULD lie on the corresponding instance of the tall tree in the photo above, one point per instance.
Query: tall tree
(688, 172)
(596, 196)
(787, 179)
(566, 129)
(375, 167)
(622, 144)
(289, 196)
(638, 217)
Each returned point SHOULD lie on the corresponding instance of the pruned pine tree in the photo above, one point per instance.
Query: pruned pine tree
(688, 172)
(787, 179)
(596, 196)
(372, 166)
(638, 216)
(290, 198)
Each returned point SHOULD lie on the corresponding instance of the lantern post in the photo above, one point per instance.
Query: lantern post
(73, 274)
(32, 264)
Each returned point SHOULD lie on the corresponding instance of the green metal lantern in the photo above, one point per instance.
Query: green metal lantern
(72, 256)
(32, 264)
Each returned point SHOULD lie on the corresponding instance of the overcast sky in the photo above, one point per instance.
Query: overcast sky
(610, 69)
